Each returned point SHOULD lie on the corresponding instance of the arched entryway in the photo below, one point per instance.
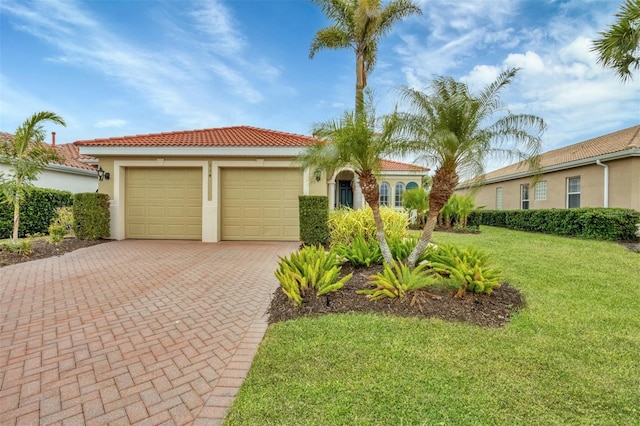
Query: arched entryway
(344, 191)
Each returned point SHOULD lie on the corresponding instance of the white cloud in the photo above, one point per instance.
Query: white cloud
(111, 122)
(530, 62)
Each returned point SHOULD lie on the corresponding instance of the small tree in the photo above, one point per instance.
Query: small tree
(417, 199)
(26, 154)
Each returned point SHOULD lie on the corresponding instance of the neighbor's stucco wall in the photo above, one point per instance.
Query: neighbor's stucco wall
(71, 181)
(624, 187)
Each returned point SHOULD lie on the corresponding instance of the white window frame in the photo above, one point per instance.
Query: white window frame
(386, 194)
(499, 198)
(578, 193)
(398, 191)
(522, 199)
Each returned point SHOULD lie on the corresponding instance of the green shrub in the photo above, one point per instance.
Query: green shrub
(613, 224)
(64, 218)
(36, 211)
(56, 234)
(310, 269)
(360, 252)
(466, 269)
(23, 246)
(346, 224)
(402, 248)
(396, 280)
(417, 199)
(314, 218)
(91, 215)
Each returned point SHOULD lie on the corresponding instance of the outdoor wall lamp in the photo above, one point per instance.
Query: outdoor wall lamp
(317, 175)
(102, 175)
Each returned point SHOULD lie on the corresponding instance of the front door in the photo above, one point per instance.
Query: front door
(345, 194)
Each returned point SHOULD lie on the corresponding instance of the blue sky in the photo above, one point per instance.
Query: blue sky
(118, 67)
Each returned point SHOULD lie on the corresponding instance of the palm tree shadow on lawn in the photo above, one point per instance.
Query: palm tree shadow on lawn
(488, 310)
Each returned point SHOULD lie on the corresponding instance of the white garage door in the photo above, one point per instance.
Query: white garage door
(163, 203)
(260, 204)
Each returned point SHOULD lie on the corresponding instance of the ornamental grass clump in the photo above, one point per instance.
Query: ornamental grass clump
(360, 252)
(398, 279)
(466, 269)
(346, 224)
(312, 269)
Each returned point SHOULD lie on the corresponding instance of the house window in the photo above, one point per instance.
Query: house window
(399, 190)
(412, 185)
(384, 193)
(499, 198)
(541, 191)
(573, 192)
(524, 196)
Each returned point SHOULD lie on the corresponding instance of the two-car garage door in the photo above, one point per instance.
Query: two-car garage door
(255, 204)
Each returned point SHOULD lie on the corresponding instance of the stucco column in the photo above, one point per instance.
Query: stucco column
(358, 199)
(332, 195)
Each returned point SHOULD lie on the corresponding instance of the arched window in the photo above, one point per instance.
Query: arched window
(385, 189)
(412, 185)
(399, 190)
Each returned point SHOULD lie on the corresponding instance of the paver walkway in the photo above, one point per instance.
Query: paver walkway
(132, 332)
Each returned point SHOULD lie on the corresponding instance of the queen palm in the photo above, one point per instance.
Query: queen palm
(26, 154)
(359, 25)
(358, 141)
(619, 47)
(454, 131)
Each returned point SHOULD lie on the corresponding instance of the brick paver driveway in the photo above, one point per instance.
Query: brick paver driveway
(148, 332)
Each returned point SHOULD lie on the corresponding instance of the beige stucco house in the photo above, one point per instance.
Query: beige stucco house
(599, 172)
(232, 183)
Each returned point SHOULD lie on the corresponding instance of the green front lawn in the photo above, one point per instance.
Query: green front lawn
(572, 356)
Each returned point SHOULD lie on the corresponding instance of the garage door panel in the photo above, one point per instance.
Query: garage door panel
(163, 203)
(255, 204)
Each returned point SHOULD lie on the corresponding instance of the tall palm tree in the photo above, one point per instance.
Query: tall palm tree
(356, 140)
(26, 154)
(455, 131)
(359, 25)
(619, 47)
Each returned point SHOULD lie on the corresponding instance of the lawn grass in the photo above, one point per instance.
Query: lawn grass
(572, 356)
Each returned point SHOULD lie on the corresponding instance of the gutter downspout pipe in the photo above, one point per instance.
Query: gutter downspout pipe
(606, 182)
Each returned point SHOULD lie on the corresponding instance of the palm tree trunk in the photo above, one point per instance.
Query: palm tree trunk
(444, 183)
(371, 192)
(361, 83)
(16, 219)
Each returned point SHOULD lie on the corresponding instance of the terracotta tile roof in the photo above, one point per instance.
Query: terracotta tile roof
(239, 136)
(395, 166)
(68, 152)
(607, 144)
(72, 157)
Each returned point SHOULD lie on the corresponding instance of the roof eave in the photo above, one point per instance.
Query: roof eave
(635, 152)
(190, 151)
(71, 169)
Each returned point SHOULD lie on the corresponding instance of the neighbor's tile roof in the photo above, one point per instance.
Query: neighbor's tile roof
(395, 166)
(607, 144)
(72, 157)
(68, 152)
(238, 136)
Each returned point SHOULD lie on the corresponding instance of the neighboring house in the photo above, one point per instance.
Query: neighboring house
(76, 174)
(232, 183)
(599, 172)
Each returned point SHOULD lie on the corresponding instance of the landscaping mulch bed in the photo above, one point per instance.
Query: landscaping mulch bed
(42, 249)
(493, 310)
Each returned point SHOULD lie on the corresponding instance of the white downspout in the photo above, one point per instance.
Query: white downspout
(606, 182)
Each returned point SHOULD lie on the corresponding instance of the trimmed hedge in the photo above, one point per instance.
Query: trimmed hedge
(36, 211)
(91, 215)
(314, 218)
(613, 224)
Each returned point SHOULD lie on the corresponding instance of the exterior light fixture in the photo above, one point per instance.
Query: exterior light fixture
(102, 175)
(317, 174)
